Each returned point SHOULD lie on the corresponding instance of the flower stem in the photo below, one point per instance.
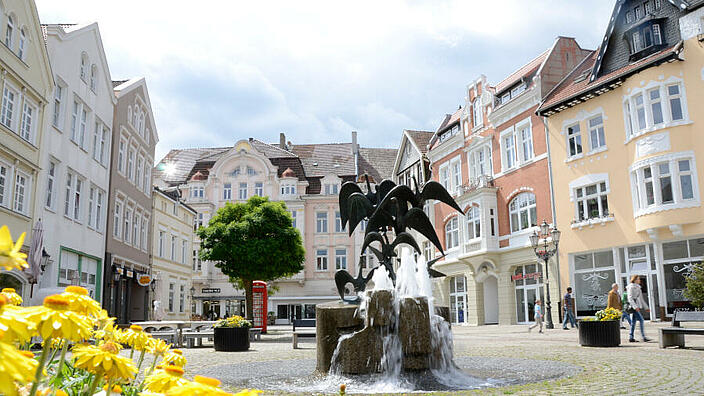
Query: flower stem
(40, 367)
(151, 369)
(109, 390)
(61, 363)
(131, 353)
(141, 359)
(93, 384)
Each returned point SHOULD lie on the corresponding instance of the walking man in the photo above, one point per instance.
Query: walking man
(567, 308)
(616, 302)
(538, 316)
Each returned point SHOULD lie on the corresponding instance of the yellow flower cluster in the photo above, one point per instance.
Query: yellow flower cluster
(233, 321)
(608, 314)
(73, 317)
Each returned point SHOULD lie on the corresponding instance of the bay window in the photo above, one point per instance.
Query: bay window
(473, 219)
(654, 108)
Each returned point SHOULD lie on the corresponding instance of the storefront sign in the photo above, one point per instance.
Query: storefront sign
(533, 275)
(211, 290)
(144, 280)
(129, 274)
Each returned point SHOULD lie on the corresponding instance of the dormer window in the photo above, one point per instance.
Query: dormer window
(449, 133)
(251, 171)
(638, 12)
(629, 17)
(644, 39)
(647, 7)
(515, 91)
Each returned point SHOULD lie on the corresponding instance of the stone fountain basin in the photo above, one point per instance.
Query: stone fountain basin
(297, 376)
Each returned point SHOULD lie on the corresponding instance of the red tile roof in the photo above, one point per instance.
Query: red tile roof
(577, 83)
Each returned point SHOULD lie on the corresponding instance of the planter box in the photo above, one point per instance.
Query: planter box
(599, 333)
(231, 339)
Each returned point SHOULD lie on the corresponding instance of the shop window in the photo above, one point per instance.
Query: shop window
(594, 273)
(458, 299)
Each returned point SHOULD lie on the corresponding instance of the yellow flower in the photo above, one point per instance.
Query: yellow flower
(163, 380)
(115, 389)
(81, 302)
(56, 343)
(149, 393)
(12, 296)
(54, 319)
(158, 347)
(175, 357)
(109, 332)
(10, 255)
(201, 386)
(248, 392)
(15, 366)
(13, 322)
(136, 338)
(104, 360)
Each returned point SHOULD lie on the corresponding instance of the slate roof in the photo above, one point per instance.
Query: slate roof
(578, 87)
(321, 159)
(117, 83)
(378, 163)
(421, 139)
(184, 161)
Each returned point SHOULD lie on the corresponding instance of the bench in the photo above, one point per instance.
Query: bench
(674, 336)
(167, 334)
(255, 333)
(305, 323)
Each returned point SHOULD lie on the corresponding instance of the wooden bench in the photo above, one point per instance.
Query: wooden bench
(167, 334)
(674, 336)
(305, 323)
(194, 336)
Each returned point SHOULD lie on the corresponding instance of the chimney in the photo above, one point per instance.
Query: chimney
(282, 141)
(355, 147)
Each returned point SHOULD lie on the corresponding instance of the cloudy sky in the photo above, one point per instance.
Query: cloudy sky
(219, 71)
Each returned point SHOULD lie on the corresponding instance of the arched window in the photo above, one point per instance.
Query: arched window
(129, 114)
(93, 77)
(477, 112)
(452, 231)
(84, 66)
(9, 33)
(22, 43)
(473, 218)
(140, 126)
(522, 211)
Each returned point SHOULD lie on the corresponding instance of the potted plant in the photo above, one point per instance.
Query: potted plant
(601, 330)
(231, 334)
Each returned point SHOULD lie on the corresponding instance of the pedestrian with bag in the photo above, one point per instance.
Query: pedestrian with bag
(567, 310)
(616, 302)
(638, 304)
(537, 316)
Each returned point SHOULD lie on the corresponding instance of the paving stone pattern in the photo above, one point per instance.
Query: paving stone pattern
(632, 369)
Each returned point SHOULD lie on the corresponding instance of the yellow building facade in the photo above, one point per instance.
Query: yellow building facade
(627, 160)
(172, 257)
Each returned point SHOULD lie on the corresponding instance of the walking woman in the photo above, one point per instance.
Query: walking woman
(637, 302)
(538, 316)
(616, 302)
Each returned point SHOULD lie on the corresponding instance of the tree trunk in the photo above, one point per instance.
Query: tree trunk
(247, 283)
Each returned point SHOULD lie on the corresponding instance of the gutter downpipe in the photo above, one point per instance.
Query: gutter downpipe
(554, 214)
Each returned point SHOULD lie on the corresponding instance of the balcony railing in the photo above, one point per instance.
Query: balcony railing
(476, 183)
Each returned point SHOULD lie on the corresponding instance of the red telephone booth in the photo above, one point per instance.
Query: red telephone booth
(259, 305)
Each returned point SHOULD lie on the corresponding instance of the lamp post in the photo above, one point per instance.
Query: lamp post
(544, 251)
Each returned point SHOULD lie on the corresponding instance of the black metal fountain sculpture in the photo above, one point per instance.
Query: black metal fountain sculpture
(388, 207)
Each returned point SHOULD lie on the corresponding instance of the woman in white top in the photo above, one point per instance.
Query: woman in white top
(637, 302)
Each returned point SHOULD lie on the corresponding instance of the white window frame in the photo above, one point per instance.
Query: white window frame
(530, 209)
(573, 135)
(477, 116)
(259, 189)
(10, 31)
(452, 233)
(117, 219)
(340, 258)
(473, 223)
(479, 162)
(57, 116)
(321, 260)
(321, 222)
(93, 77)
(28, 120)
(8, 110)
(242, 191)
(21, 192)
(91, 206)
(639, 187)
(51, 180)
(6, 183)
(597, 136)
(131, 153)
(582, 198)
(77, 198)
(83, 69)
(121, 155)
(665, 101)
(338, 222)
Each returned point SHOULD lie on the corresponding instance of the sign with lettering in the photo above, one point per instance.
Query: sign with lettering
(532, 275)
(210, 290)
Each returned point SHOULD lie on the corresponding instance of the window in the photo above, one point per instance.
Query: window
(338, 222)
(480, 162)
(198, 222)
(143, 229)
(666, 182)
(78, 123)
(147, 178)
(321, 260)
(69, 192)
(103, 146)
(445, 177)
(196, 261)
(10, 31)
(91, 206)
(99, 210)
(58, 99)
(251, 171)
(675, 97)
(638, 12)
(657, 4)
(574, 140)
(629, 17)
(452, 233)
(596, 133)
(647, 7)
(526, 143)
(456, 176)
(340, 259)
(473, 219)
(121, 156)
(288, 189)
(259, 189)
(523, 212)
(139, 177)
(77, 199)
(4, 184)
(657, 35)
(477, 113)
(637, 45)
(162, 237)
(591, 202)
(184, 249)
(509, 145)
(173, 248)
(93, 77)
(50, 185)
(117, 219)
(171, 296)
(126, 225)
(135, 229)
(293, 217)
(321, 222)
(655, 106)
(130, 164)
(84, 67)
(181, 298)
(27, 124)
(21, 193)
(243, 191)
(331, 189)
(427, 251)
(197, 192)
(22, 43)
(8, 107)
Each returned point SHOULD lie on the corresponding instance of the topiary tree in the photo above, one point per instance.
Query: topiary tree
(253, 240)
(695, 285)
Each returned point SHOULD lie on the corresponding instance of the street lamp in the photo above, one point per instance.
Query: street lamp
(544, 252)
